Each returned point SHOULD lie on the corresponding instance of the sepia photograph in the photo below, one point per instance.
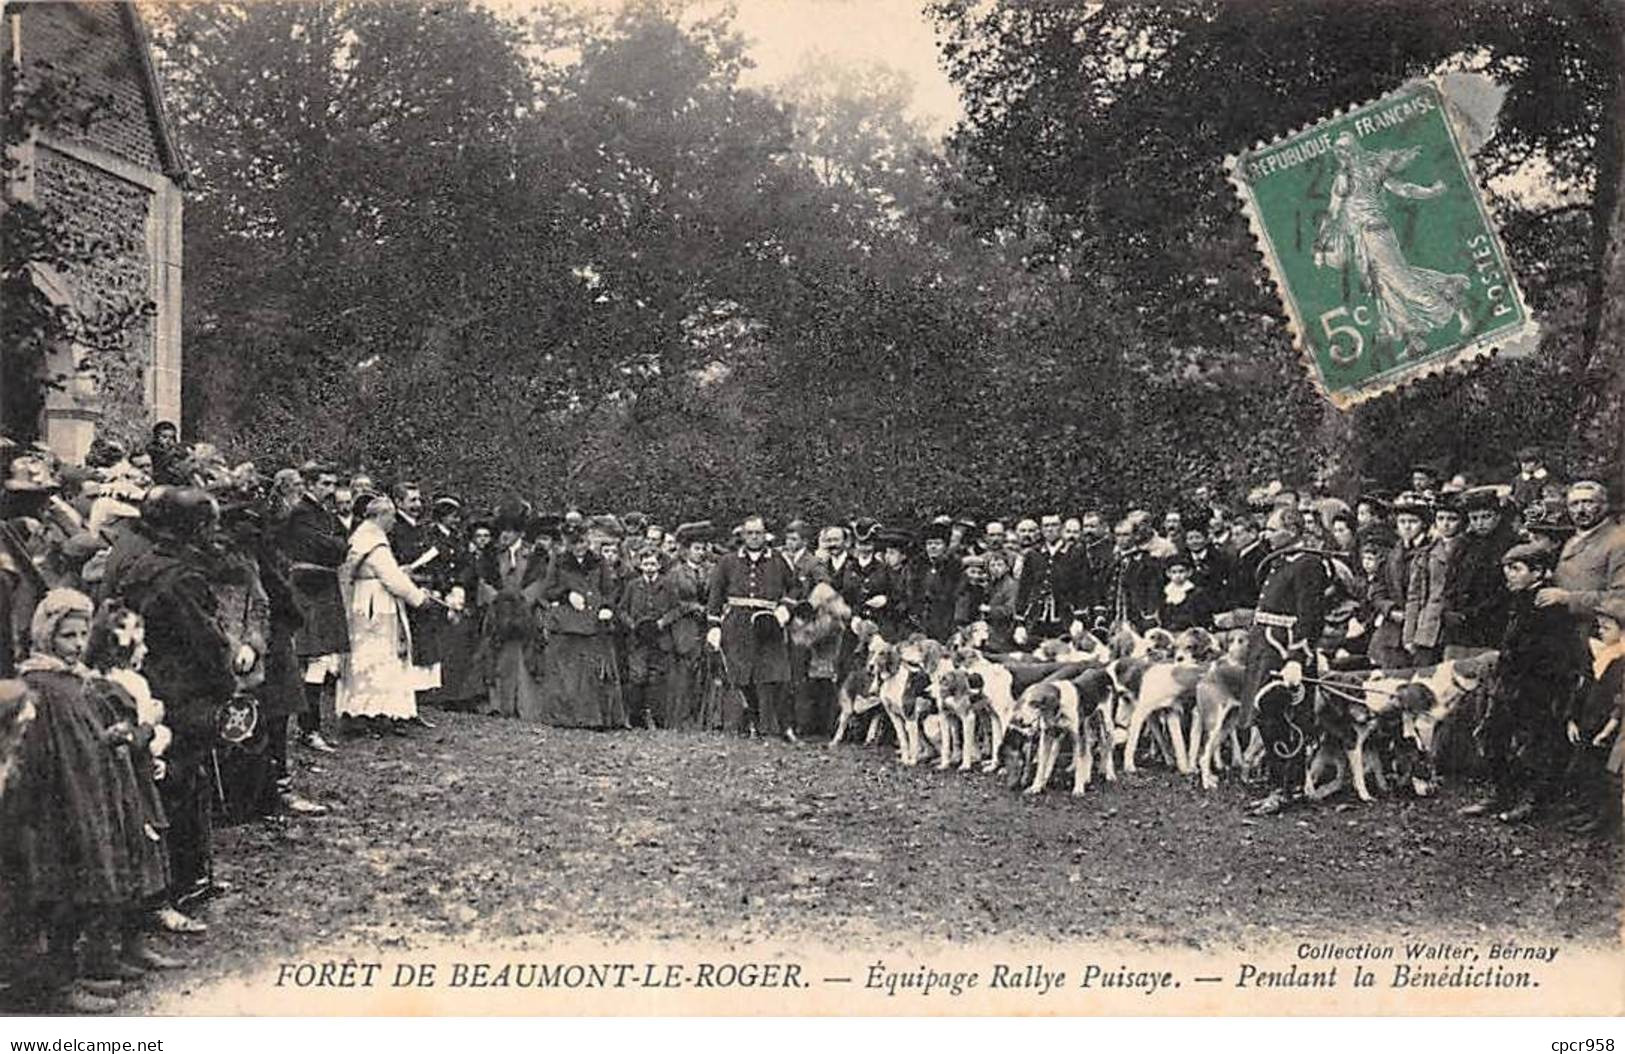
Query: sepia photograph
(811, 507)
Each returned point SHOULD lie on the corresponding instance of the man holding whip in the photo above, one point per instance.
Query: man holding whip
(750, 597)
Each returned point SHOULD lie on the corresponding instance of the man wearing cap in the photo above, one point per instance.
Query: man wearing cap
(863, 580)
(1543, 665)
(750, 594)
(1281, 651)
(1591, 567)
(936, 584)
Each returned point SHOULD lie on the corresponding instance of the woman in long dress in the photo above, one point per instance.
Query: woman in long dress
(581, 685)
(1411, 301)
(377, 684)
(509, 600)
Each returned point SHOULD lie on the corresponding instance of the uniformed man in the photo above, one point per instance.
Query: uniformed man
(1045, 591)
(749, 607)
(863, 580)
(1281, 651)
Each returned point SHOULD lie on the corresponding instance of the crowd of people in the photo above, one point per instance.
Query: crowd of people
(170, 624)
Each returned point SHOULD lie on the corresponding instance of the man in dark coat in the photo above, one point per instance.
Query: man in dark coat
(315, 544)
(1139, 578)
(446, 568)
(750, 594)
(1046, 591)
(1096, 547)
(936, 585)
(1281, 650)
(192, 666)
(864, 582)
(1250, 552)
(1543, 665)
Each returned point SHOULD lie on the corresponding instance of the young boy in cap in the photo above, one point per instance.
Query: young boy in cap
(1542, 666)
(1593, 728)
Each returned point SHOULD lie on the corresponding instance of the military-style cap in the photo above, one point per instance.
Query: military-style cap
(696, 531)
(863, 530)
(445, 505)
(1538, 554)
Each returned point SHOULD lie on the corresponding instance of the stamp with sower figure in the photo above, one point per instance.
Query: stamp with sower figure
(1380, 247)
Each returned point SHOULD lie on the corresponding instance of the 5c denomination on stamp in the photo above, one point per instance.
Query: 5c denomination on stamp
(1379, 244)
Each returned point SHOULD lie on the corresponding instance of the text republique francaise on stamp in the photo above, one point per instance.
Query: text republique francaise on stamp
(1381, 249)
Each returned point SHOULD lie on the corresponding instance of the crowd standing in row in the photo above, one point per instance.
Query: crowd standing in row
(168, 622)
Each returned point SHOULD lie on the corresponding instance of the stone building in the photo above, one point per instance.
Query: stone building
(121, 177)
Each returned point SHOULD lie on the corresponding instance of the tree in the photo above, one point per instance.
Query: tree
(1095, 134)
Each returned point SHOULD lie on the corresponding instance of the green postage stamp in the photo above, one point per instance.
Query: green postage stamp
(1380, 247)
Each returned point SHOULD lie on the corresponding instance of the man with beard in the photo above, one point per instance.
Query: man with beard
(1591, 567)
(315, 544)
(192, 666)
(1095, 544)
(1281, 650)
(750, 594)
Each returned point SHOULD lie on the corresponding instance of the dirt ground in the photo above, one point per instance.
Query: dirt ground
(489, 829)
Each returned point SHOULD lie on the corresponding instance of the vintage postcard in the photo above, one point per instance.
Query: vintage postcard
(811, 508)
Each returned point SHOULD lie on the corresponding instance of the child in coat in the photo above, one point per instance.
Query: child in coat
(1593, 729)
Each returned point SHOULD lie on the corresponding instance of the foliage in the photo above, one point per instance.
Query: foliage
(577, 258)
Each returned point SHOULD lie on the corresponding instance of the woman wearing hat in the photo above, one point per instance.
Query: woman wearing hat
(581, 685)
(509, 603)
(688, 578)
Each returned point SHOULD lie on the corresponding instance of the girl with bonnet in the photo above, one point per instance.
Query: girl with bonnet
(64, 854)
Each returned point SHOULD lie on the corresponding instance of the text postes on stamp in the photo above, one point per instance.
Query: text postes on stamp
(1379, 244)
